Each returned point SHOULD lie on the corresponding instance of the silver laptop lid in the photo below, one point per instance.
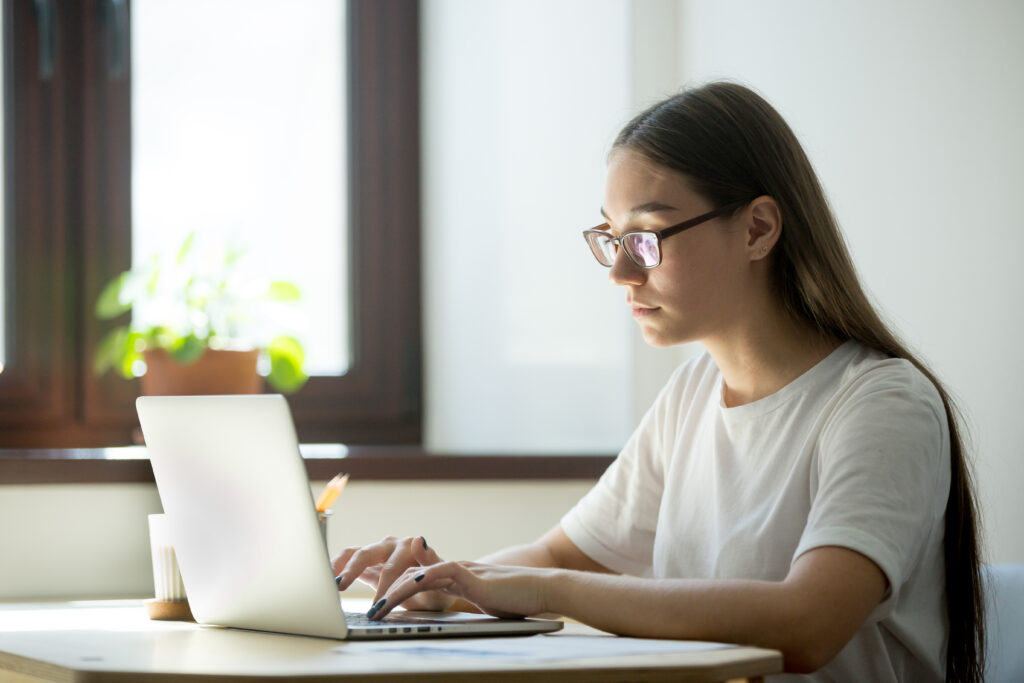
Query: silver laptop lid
(241, 516)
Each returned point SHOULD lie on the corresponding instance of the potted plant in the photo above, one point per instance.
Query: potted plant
(200, 324)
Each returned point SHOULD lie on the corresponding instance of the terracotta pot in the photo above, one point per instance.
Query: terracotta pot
(215, 372)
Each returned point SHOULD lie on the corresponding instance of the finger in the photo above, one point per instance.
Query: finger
(424, 554)
(444, 577)
(385, 605)
(341, 559)
(409, 552)
(429, 600)
(400, 560)
(363, 558)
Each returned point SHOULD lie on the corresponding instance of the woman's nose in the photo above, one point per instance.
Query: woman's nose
(625, 272)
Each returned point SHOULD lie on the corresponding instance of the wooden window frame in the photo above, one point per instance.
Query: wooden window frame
(362, 463)
(68, 231)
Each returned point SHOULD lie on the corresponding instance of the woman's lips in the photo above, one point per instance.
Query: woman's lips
(642, 311)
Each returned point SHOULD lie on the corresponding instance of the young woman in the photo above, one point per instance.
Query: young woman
(801, 486)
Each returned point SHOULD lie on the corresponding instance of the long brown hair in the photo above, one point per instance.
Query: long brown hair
(732, 145)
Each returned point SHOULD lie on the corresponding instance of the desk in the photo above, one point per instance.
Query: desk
(114, 641)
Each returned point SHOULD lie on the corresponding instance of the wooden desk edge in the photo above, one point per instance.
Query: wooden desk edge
(753, 667)
(18, 665)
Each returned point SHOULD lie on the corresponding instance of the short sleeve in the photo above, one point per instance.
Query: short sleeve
(882, 473)
(615, 522)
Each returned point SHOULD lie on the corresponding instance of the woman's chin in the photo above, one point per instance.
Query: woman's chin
(658, 338)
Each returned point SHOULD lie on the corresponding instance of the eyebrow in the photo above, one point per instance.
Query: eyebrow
(648, 207)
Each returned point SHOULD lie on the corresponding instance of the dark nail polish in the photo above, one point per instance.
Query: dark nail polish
(338, 579)
(425, 546)
(376, 607)
(419, 577)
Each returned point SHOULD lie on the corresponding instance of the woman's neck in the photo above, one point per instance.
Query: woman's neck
(766, 354)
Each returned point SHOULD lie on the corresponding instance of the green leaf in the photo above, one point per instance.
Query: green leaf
(286, 360)
(154, 275)
(283, 291)
(186, 247)
(109, 350)
(187, 349)
(159, 337)
(133, 348)
(119, 349)
(233, 254)
(109, 304)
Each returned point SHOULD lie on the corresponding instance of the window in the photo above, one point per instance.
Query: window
(3, 235)
(87, 185)
(238, 127)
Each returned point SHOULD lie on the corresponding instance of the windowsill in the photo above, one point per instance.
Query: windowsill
(323, 461)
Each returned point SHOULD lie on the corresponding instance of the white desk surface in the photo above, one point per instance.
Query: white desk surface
(100, 641)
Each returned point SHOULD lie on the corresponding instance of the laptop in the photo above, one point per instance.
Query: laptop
(241, 516)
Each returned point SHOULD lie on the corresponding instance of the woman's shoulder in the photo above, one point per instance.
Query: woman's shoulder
(877, 389)
(869, 370)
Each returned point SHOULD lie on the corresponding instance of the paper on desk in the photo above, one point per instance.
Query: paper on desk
(543, 647)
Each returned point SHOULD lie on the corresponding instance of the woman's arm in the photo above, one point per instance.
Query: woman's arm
(553, 549)
(809, 616)
(382, 563)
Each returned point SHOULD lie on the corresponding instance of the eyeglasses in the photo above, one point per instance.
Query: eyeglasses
(643, 247)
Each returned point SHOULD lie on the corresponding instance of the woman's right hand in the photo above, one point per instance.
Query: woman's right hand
(382, 563)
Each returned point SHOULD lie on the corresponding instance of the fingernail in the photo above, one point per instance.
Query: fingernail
(419, 577)
(376, 606)
(338, 579)
(425, 546)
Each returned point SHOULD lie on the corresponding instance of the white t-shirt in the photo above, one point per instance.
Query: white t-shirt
(853, 453)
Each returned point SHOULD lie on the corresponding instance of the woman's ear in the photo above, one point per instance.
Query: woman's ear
(764, 227)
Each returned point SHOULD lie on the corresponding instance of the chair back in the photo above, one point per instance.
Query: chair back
(1004, 600)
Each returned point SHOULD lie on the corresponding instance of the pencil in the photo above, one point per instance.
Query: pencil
(331, 492)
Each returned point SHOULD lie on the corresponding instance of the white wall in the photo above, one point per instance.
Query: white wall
(521, 337)
(91, 541)
(528, 347)
(75, 540)
(912, 113)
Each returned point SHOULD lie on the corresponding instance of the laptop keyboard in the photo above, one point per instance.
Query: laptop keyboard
(360, 620)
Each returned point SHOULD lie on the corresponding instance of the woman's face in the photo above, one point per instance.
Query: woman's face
(700, 287)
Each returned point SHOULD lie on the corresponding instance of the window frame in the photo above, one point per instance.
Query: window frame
(68, 232)
(363, 463)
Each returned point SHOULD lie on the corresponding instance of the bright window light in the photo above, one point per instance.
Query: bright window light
(238, 122)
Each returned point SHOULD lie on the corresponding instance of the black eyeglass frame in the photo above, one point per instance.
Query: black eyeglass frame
(602, 230)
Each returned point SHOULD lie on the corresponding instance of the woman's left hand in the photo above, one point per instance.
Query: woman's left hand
(496, 590)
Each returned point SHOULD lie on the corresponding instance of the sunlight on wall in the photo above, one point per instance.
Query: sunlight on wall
(527, 344)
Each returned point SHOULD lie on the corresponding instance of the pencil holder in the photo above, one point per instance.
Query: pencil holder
(169, 602)
(321, 518)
